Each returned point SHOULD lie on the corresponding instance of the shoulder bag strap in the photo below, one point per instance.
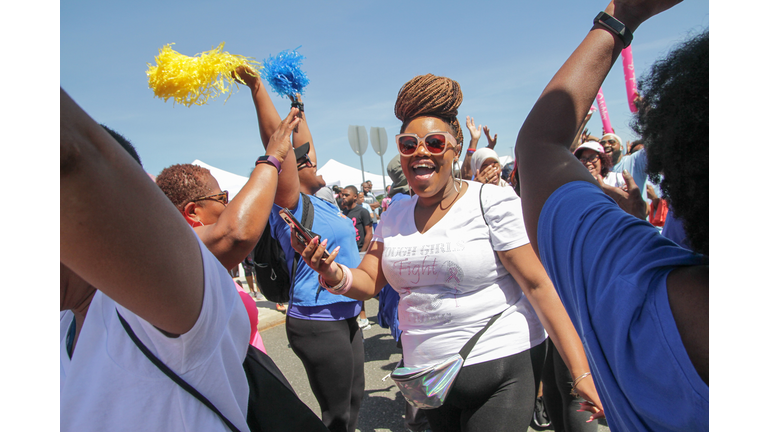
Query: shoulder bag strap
(171, 374)
(471, 343)
(482, 210)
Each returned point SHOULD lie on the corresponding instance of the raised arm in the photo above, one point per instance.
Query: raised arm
(119, 232)
(287, 194)
(491, 141)
(466, 166)
(242, 222)
(542, 144)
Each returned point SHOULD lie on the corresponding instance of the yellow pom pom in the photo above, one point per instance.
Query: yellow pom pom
(192, 80)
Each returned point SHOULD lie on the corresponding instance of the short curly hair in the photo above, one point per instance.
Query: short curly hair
(673, 121)
(182, 183)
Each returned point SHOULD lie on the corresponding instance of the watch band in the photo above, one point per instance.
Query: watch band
(270, 160)
(615, 26)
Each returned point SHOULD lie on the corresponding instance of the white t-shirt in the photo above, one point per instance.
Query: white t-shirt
(451, 282)
(110, 385)
(614, 179)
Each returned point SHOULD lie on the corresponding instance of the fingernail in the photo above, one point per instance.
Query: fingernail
(325, 242)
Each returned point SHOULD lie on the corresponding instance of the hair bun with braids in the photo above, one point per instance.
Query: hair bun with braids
(430, 95)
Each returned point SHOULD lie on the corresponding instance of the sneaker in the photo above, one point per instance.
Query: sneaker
(364, 324)
(540, 417)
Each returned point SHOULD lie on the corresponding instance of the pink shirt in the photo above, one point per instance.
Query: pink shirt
(253, 316)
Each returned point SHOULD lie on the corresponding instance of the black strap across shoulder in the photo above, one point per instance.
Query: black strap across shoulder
(465, 350)
(171, 374)
(464, 353)
(307, 219)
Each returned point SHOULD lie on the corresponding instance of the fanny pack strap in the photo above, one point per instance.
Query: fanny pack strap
(471, 343)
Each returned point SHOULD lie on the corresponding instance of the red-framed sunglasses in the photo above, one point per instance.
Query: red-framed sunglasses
(435, 143)
(222, 197)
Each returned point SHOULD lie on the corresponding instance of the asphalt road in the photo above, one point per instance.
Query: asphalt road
(383, 406)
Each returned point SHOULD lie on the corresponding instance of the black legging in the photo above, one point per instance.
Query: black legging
(562, 408)
(496, 395)
(333, 356)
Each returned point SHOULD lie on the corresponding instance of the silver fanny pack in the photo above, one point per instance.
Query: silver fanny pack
(427, 387)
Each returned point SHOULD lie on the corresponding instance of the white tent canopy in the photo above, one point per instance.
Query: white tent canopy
(333, 172)
(227, 181)
(336, 173)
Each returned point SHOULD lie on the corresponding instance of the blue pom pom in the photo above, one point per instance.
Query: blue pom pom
(284, 74)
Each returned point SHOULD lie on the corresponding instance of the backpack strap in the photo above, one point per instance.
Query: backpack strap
(171, 374)
(307, 219)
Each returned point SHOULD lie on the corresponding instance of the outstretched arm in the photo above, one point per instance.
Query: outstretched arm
(543, 144)
(106, 200)
(287, 194)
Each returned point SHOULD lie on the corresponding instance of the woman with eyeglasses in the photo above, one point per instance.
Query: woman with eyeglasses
(455, 263)
(599, 164)
(230, 230)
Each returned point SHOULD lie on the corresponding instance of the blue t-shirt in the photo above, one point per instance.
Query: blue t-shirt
(389, 298)
(308, 299)
(610, 270)
(636, 165)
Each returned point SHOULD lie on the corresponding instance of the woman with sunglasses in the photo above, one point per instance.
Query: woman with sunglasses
(455, 263)
(599, 164)
(230, 230)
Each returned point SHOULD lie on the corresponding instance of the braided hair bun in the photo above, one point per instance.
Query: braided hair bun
(430, 95)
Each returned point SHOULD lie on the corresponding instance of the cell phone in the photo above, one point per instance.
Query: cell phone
(302, 233)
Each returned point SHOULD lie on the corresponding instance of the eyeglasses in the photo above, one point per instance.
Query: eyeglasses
(608, 141)
(222, 197)
(591, 159)
(434, 142)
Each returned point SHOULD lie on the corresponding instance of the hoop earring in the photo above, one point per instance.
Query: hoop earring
(196, 224)
(455, 178)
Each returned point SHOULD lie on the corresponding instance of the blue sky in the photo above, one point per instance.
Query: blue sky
(358, 55)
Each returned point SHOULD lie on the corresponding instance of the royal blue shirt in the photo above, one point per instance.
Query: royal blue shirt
(610, 270)
(308, 299)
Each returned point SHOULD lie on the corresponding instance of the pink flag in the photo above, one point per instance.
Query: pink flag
(604, 112)
(629, 77)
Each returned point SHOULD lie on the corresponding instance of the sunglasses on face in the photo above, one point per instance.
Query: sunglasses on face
(222, 197)
(591, 159)
(304, 162)
(435, 143)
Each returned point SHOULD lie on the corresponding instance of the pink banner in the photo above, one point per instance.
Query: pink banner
(629, 77)
(603, 112)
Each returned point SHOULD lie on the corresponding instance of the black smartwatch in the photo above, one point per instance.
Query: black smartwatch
(270, 160)
(615, 26)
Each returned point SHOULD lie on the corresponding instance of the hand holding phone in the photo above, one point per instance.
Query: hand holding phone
(302, 233)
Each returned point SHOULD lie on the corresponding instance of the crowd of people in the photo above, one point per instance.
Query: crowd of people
(548, 265)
